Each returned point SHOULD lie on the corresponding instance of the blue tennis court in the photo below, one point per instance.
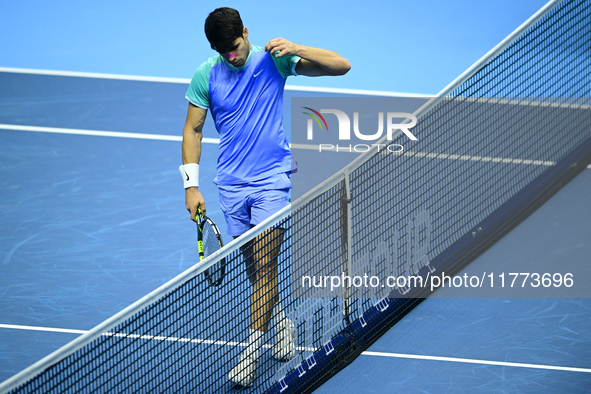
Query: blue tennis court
(94, 226)
(480, 345)
(97, 225)
(93, 219)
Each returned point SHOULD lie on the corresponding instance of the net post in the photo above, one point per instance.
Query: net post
(347, 265)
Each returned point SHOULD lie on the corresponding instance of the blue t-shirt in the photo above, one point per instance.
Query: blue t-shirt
(246, 104)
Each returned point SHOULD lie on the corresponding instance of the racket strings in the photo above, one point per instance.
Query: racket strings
(210, 240)
(211, 244)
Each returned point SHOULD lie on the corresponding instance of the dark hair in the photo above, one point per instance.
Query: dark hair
(222, 27)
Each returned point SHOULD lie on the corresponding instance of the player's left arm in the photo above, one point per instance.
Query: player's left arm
(314, 62)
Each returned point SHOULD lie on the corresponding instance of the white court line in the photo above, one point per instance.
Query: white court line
(187, 81)
(57, 73)
(443, 156)
(136, 336)
(190, 340)
(366, 353)
(479, 158)
(100, 133)
(175, 138)
(45, 329)
(472, 361)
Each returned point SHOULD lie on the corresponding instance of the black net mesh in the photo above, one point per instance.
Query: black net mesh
(486, 155)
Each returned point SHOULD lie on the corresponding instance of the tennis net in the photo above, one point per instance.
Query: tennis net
(463, 187)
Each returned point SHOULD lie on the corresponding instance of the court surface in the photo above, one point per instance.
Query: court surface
(93, 218)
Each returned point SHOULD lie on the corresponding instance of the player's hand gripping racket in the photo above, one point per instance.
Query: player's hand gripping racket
(209, 241)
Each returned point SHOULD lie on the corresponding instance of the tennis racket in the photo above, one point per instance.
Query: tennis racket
(209, 241)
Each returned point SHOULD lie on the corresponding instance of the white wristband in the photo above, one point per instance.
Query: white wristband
(190, 174)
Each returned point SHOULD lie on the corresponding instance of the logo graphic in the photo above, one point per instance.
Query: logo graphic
(187, 175)
(345, 124)
(310, 133)
(255, 75)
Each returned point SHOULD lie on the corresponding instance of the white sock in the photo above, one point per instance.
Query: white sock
(278, 315)
(255, 341)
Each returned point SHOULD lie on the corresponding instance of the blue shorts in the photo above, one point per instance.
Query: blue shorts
(245, 206)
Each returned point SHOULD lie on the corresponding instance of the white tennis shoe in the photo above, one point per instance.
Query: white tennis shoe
(244, 373)
(285, 339)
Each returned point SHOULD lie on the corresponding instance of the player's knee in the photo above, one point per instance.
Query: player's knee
(248, 255)
(267, 268)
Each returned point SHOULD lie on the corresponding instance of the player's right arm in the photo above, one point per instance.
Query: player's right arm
(191, 151)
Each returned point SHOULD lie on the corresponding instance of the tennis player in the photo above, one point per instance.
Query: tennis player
(243, 87)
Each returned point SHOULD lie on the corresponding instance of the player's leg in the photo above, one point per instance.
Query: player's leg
(237, 214)
(265, 278)
(261, 266)
(261, 260)
(265, 302)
